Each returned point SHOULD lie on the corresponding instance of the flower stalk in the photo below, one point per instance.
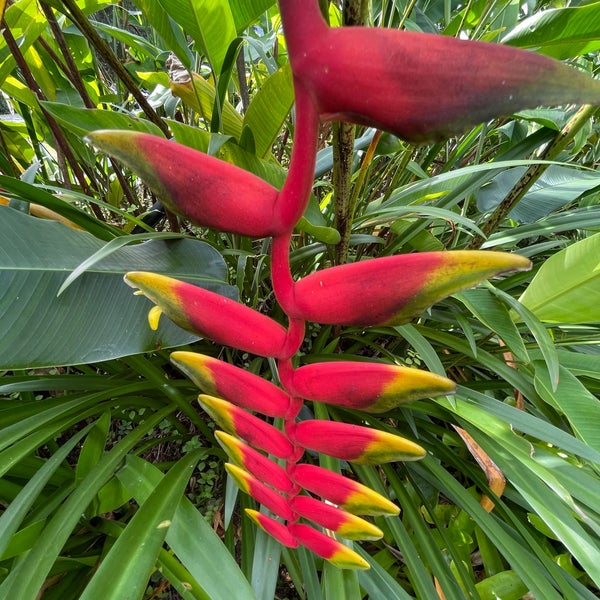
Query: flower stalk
(420, 87)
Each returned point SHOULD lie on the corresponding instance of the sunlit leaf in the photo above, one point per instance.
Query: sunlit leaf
(567, 287)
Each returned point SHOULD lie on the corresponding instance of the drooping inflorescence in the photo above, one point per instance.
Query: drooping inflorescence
(413, 85)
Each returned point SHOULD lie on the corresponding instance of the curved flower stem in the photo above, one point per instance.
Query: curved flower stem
(281, 275)
(295, 193)
(302, 21)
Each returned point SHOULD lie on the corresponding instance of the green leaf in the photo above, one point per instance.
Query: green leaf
(93, 447)
(561, 33)
(14, 514)
(126, 569)
(586, 217)
(506, 585)
(340, 584)
(27, 578)
(97, 317)
(512, 454)
(136, 43)
(575, 402)
(200, 94)
(269, 109)
(557, 187)
(209, 23)
(540, 333)
(567, 287)
(377, 582)
(494, 315)
(246, 12)
(191, 538)
(167, 28)
(82, 121)
(33, 193)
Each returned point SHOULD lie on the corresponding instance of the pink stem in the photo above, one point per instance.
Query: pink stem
(302, 21)
(294, 195)
(281, 276)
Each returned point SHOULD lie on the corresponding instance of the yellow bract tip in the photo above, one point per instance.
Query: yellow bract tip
(346, 558)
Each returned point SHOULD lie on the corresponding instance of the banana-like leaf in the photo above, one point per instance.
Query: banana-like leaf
(246, 11)
(567, 287)
(269, 108)
(556, 187)
(561, 33)
(97, 318)
(209, 23)
(574, 401)
(82, 121)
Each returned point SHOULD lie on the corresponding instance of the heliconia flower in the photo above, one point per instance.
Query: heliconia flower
(330, 517)
(420, 86)
(342, 491)
(393, 289)
(371, 387)
(218, 378)
(211, 315)
(209, 191)
(274, 528)
(327, 547)
(241, 423)
(269, 498)
(354, 443)
(255, 463)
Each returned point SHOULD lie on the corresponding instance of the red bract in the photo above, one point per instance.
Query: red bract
(209, 191)
(354, 443)
(274, 528)
(218, 378)
(342, 491)
(420, 86)
(365, 386)
(259, 491)
(211, 315)
(330, 517)
(255, 463)
(394, 289)
(327, 547)
(238, 422)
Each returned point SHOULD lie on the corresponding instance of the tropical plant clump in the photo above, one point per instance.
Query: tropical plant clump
(329, 84)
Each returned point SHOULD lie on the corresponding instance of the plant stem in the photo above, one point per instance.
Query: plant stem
(295, 193)
(534, 172)
(343, 153)
(64, 153)
(69, 68)
(103, 49)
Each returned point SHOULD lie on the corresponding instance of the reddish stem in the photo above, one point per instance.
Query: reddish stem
(281, 275)
(302, 21)
(295, 193)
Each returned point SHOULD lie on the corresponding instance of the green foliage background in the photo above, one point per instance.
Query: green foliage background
(101, 443)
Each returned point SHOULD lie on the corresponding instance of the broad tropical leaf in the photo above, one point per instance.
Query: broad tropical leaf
(567, 287)
(560, 32)
(97, 317)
